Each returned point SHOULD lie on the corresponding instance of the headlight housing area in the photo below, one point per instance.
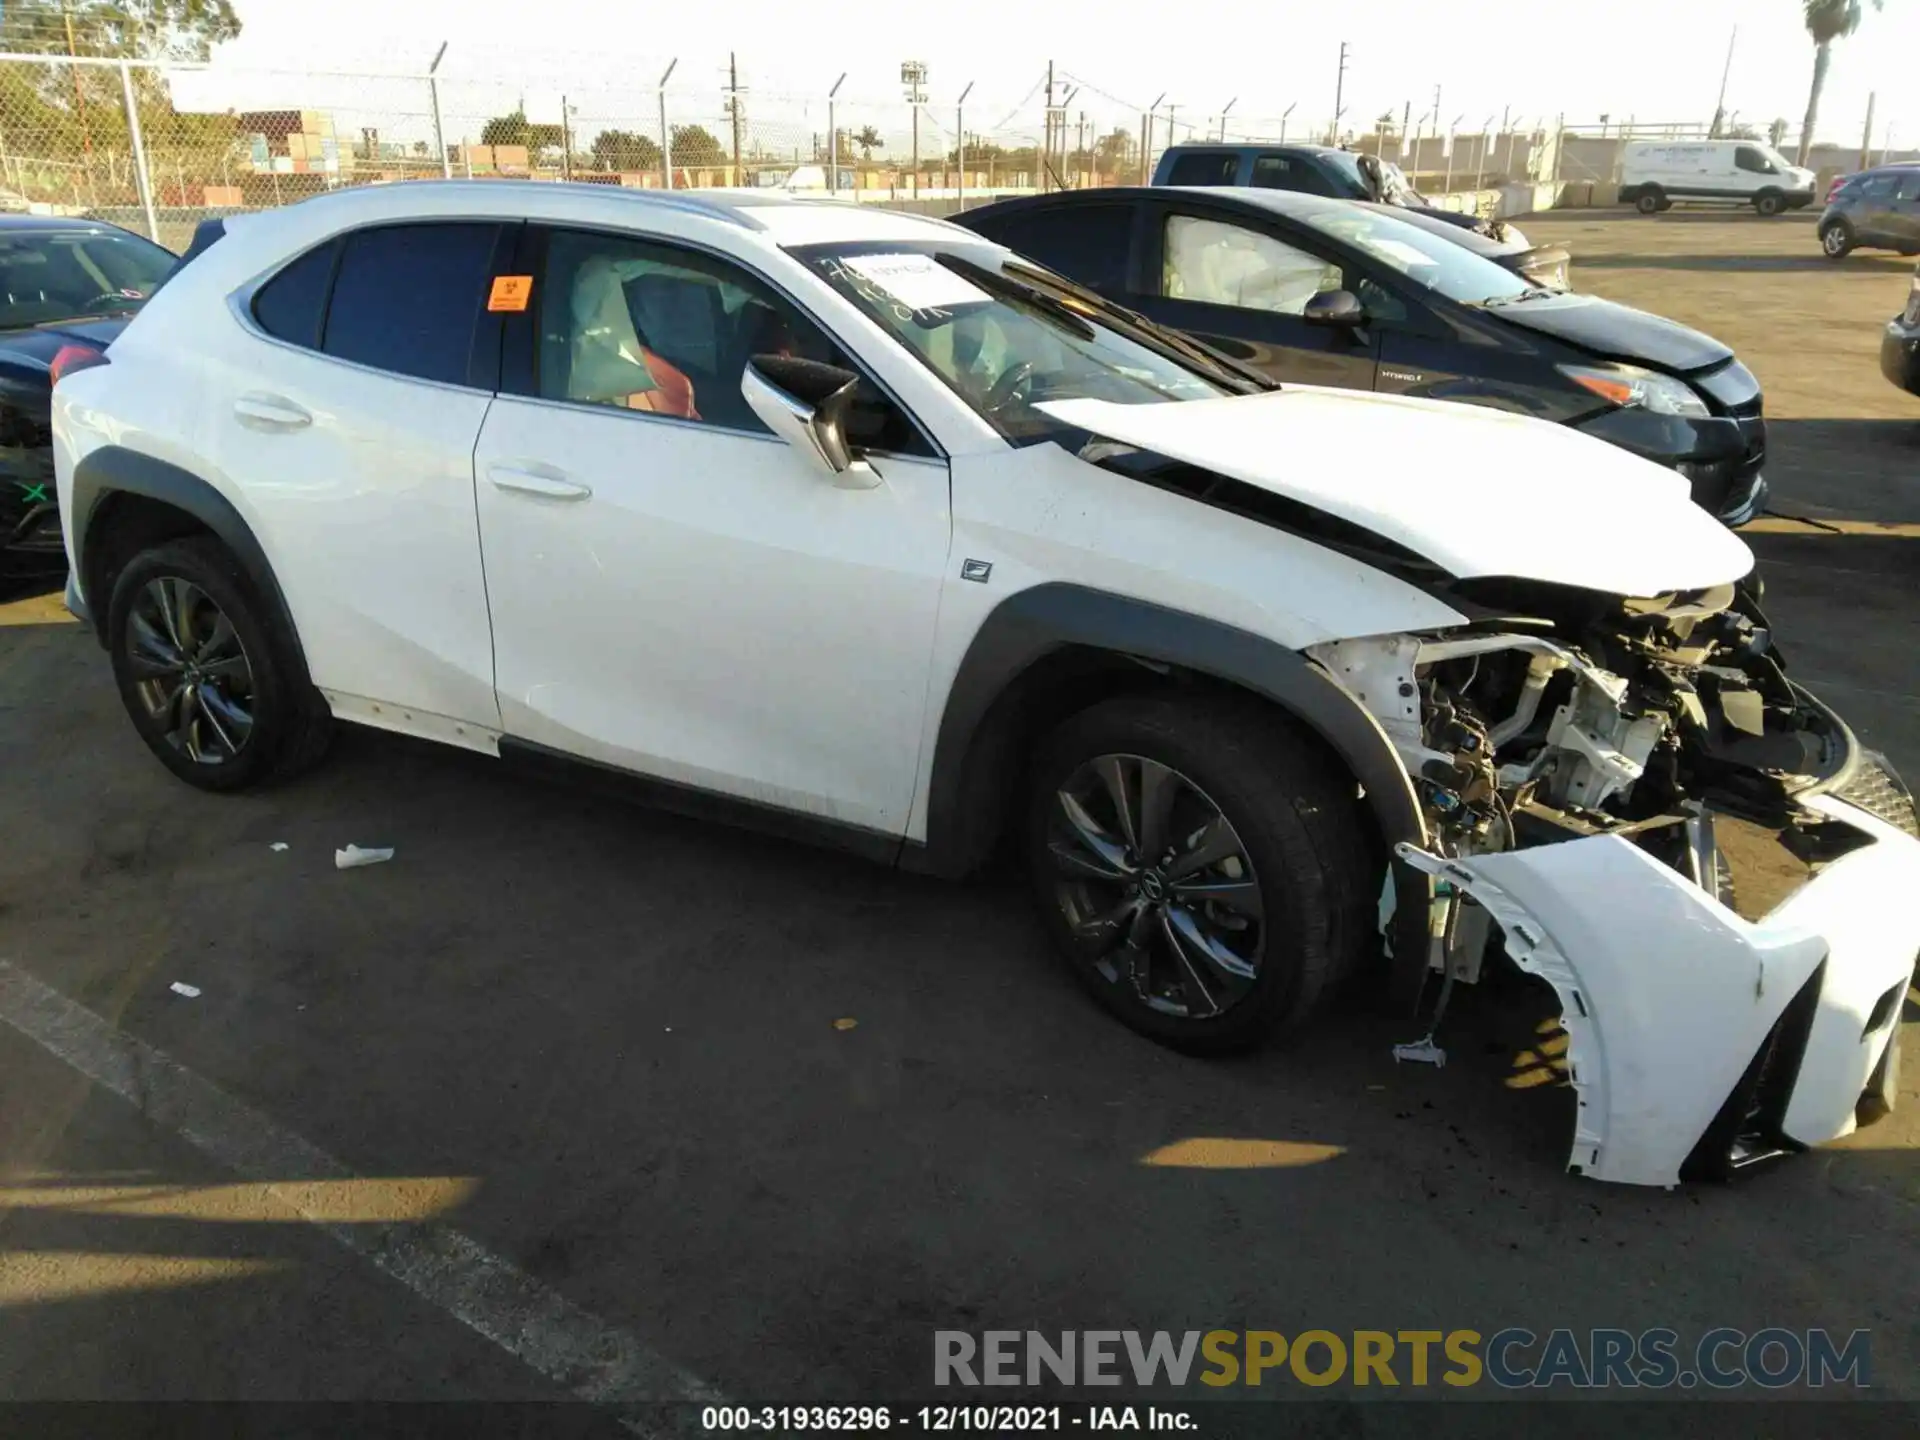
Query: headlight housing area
(1628, 388)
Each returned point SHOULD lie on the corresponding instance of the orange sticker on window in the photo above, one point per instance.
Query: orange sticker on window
(510, 292)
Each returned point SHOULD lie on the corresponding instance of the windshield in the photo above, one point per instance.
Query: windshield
(1007, 339)
(1430, 261)
(53, 275)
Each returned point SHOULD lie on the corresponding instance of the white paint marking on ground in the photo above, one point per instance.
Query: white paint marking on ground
(576, 1350)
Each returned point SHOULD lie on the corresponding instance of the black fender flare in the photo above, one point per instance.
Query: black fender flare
(1025, 628)
(114, 469)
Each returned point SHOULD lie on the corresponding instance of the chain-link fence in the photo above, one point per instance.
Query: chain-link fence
(159, 146)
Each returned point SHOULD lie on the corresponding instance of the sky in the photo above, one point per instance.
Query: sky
(1651, 62)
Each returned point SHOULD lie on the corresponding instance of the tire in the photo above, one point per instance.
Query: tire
(1769, 203)
(1649, 202)
(223, 707)
(1836, 239)
(1290, 894)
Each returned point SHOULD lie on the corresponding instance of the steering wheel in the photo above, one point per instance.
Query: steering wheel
(110, 296)
(1012, 388)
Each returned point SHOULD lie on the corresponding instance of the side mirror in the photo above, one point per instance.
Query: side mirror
(805, 403)
(1337, 309)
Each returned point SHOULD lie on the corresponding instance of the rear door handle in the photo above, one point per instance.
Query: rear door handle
(537, 480)
(260, 411)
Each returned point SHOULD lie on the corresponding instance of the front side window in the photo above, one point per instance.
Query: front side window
(1748, 158)
(643, 326)
(406, 298)
(1273, 172)
(1216, 263)
(1909, 186)
(1006, 344)
(52, 276)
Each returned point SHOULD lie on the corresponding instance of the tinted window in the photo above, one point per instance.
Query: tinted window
(648, 327)
(1274, 172)
(1748, 158)
(1875, 187)
(1908, 187)
(1205, 167)
(289, 306)
(1220, 264)
(407, 298)
(1088, 243)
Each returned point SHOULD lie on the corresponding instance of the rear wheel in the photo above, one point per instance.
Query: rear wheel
(1836, 239)
(1204, 872)
(208, 675)
(1769, 202)
(1650, 202)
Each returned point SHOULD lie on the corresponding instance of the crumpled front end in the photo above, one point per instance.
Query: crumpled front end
(1701, 1041)
(1631, 800)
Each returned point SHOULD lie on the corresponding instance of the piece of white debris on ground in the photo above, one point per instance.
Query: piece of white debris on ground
(354, 856)
(278, 845)
(180, 987)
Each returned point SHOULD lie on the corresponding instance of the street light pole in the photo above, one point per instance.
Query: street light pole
(1223, 117)
(1339, 95)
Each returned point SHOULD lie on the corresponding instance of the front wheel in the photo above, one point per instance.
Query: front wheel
(206, 671)
(1836, 240)
(1650, 202)
(1769, 203)
(1204, 870)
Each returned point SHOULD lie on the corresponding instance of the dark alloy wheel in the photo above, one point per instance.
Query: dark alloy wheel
(1836, 239)
(1202, 866)
(192, 671)
(209, 674)
(1157, 884)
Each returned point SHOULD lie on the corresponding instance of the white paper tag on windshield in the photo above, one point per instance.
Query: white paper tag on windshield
(918, 282)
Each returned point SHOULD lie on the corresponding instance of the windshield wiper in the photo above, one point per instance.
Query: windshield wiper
(1151, 332)
(1536, 293)
(1050, 306)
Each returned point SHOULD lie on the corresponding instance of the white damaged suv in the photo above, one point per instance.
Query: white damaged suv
(856, 526)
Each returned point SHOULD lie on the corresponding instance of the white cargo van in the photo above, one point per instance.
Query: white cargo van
(1655, 173)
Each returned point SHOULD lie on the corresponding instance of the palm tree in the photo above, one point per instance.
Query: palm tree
(1827, 21)
(870, 140)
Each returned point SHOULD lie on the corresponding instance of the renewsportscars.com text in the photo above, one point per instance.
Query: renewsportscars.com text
(1513, 1358)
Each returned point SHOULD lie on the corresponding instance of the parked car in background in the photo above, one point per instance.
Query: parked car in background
(1313, 170)
(66, 290)
(1900, 345)
(854, 525)
(1655, 173)
(1328, 292)
(1877, 209)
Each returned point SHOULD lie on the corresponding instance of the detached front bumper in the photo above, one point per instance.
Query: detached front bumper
(1690, 1027)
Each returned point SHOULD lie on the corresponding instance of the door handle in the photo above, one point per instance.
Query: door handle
(260, 411)
(537, 480)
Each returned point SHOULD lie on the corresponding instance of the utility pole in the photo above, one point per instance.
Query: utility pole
(1866, 136)
(79, 95)
(666, 137)
(566, 139)
(433, 90)
(1283, 122)
(1046, 135)
(1406, 119)
(833, 141)
(1223, 117)
(1720, 105)
(1339, 95)
(960, 139)
(733, 109)
(1172, 138)
(1080, 157)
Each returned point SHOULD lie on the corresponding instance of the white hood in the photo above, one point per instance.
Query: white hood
(1478, 492)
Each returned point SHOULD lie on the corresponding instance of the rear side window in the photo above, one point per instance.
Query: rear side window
(1908, 187)
(1875, 187)
(1087, 243)
(407, 298)
(1275, 172)
(1205, 167)
(290, 305)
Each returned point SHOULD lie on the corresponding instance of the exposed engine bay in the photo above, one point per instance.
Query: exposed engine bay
(1587, 715)
(1575, 760)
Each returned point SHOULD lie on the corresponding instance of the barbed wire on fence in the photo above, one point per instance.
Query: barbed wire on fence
(160, 144)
